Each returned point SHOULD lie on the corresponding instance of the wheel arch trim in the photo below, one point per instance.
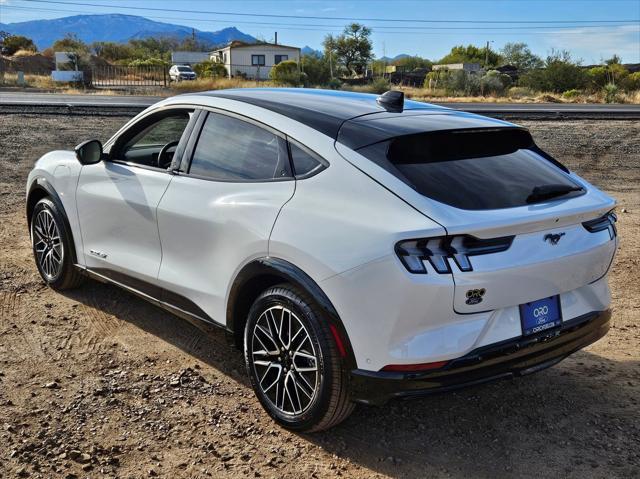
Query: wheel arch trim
(43, 188)
(268, 271)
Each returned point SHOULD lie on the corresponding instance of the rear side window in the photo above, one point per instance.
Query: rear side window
(230, 149)
(474, 169)
(305, 163)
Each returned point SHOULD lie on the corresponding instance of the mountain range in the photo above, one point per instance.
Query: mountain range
(115, 28)
(122, 28)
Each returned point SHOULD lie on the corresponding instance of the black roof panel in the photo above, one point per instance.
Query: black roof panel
(323, 110)
(355, 119)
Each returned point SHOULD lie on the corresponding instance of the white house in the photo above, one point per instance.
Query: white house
(253, 60)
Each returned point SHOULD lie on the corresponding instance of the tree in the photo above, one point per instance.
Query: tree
(13, 43)
(411, 63)
(79, 51)
(520, 56)
(71, 43)
(112, 51)
(351, 49)
(316, 67)
(472, 54)
(560, 73)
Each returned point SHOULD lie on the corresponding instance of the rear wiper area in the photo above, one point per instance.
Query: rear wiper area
(546, 192)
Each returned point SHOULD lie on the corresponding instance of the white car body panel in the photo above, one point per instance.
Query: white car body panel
(209, 229)
(117, 212)
(192, 236)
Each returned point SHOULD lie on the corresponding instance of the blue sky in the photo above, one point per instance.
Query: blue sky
(590, 42)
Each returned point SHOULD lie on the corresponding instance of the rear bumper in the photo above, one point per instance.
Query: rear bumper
(514, 357)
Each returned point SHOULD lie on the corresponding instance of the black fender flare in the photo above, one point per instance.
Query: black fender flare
(268, 271)
(40, 188)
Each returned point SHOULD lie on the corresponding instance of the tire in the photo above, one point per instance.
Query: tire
(50, 237)
(290, 400)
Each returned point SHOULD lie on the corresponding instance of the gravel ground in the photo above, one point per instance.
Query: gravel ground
(97, 383)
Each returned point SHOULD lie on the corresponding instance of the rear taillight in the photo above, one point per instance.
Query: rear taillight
(439, 251)
(606, 222)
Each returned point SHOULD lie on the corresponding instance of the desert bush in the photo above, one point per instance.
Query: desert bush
(611, 92)
(520, 92)
(599, 77)
(432, 79)
(494, 83)
(147, 62)
(334, 84)
(632, 82)
(286, 73)
(560, 74)
(491, 85)
(571, 94)
(459, 82)
(209, 69)
(380, 85)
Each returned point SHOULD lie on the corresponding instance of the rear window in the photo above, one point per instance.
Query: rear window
(475, 169)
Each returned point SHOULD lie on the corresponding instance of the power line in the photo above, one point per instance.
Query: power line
(317, 17)
(323, 27)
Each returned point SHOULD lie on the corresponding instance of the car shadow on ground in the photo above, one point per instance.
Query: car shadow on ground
(574, 420)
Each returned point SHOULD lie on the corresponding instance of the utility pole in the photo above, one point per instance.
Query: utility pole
(331, 62)
(486, 55)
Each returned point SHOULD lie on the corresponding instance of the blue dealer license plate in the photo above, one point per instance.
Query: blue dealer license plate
(538, 316)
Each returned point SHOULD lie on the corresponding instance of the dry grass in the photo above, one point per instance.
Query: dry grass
(204, 84)
(32, 81)
(517, 95)
(513, 95)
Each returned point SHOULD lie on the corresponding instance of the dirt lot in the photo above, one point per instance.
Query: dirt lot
(98, 383)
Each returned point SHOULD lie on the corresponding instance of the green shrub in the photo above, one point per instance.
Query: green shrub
(148, 62)
(571, 94)
(597, 78)
(286, 73)
(560, 74)
(520, 92)
(317, 70)
(432, 80)
(632, 82)
(334, 84)
(610, 93)
(209, 69)
(380, 85)
(494, 83)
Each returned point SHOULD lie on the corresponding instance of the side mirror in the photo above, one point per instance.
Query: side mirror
(89, 152)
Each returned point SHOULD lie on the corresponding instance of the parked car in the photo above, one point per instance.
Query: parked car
(355, 248)
(181, 72)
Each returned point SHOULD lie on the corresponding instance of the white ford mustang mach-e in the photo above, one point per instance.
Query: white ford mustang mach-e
(356, 248)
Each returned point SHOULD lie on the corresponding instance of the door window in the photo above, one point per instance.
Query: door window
(145, 140)
(230, 149)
